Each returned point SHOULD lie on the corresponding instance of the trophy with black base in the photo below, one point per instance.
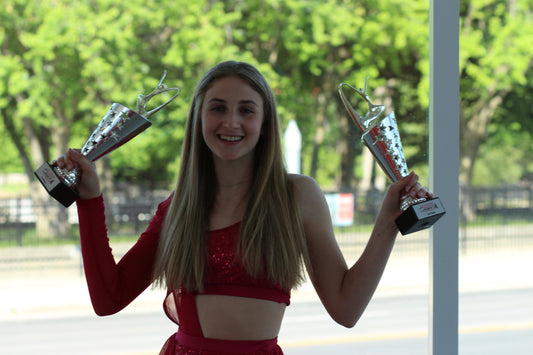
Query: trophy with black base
(118, 126)
(382, 137)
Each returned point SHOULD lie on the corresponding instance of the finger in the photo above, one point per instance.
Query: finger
(67, 161)
(411, 181)
(60, 162)
(415, 189)
(422, 192)
(76, 157)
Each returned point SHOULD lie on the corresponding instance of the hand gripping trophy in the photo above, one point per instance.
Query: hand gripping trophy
(118, 126)
(382, 137)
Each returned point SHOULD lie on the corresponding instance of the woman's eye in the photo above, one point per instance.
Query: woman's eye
(217, 108)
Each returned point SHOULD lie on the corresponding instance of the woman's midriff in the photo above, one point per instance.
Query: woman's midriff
(239, 318)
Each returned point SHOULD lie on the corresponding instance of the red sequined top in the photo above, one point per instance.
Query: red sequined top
(225, 276)
(112, 285)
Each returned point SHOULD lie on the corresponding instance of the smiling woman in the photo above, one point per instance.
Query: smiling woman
(238, 232)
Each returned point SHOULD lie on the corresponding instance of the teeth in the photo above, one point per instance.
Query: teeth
(231, 138)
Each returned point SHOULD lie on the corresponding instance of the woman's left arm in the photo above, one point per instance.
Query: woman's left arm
(345, 292)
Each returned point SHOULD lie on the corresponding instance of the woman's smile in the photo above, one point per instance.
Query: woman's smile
(230, 138)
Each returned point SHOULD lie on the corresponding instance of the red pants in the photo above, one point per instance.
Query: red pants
(184, 344)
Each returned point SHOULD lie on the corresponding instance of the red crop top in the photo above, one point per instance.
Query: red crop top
(112, 286)
(227, 277)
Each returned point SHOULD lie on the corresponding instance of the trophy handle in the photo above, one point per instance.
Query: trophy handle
(363, 122)
(142, 100)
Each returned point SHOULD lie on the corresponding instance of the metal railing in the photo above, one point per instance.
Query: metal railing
(503, 215)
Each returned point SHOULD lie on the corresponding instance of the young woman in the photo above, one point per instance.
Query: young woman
(238, 232)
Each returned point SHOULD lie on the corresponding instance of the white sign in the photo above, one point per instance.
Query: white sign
(341, 208)
(293, 147)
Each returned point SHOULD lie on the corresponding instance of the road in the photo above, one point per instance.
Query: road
(492, 322)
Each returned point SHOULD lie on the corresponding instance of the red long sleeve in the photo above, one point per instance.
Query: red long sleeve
(112, 286)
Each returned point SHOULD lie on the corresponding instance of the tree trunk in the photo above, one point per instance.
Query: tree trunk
(318, 138)
(107, 186)
(474, 132)
(51, 216)
(348, 154)
(367, 162)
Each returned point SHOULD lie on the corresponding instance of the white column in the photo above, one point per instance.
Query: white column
(444, 176)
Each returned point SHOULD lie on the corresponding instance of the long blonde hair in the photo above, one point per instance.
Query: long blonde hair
(272, 241)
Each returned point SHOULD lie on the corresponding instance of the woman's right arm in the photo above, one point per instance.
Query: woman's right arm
(112, 286)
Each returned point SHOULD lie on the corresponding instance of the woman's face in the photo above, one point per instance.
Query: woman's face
(232, 118)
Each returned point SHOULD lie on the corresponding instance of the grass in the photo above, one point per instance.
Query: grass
(14, 190)
(498, 221)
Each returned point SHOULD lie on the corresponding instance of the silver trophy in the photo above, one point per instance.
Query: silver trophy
(382, 138)
(118, 126)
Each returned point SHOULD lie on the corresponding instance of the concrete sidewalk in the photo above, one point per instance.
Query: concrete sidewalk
(45, 292)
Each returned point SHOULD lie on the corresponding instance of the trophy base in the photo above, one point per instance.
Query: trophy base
(420, 216)
(55, 186)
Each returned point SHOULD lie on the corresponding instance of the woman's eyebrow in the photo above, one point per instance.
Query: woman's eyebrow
(242, 102)
(248, 102)
(214, 99)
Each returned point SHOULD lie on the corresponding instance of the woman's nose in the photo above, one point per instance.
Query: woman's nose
(232, 119)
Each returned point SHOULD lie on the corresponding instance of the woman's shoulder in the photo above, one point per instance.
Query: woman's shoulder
(303, 183)
(306, 190)
(312, 204)
(162, 207)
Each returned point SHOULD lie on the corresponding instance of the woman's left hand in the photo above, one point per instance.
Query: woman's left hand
(408, 185)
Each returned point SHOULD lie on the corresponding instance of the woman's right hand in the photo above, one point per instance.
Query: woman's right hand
(89, 186)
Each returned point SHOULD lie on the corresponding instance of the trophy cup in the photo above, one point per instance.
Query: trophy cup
(382, 138)
(118, 126)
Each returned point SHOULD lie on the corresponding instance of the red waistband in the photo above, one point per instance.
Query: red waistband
(230, 346)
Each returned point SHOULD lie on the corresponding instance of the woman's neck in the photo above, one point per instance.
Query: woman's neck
(237, 174)
(233, 186)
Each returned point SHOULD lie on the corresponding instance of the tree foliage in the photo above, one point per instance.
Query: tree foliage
(495, 59)
(63, 63)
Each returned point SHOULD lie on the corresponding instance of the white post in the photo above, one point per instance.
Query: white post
(444, 176)
(293, 147)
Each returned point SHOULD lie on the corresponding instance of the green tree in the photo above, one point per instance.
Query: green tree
(315, 45)
(64, 63)
(495, 57)
(61, 64)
